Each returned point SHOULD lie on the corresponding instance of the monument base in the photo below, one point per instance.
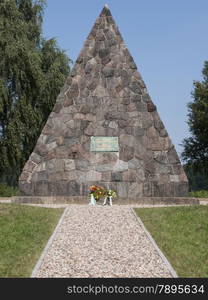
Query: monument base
(119, 201)
(123, 189)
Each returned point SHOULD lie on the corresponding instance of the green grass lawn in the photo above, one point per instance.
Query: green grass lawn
(199, 194)
(24, 231)
(182, 234)
(8, 191)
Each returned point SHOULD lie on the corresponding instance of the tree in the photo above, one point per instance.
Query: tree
(197, 178)
(32, 71)
(195, 152)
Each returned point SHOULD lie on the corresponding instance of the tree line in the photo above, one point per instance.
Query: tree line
(195, 154)
(32, 71)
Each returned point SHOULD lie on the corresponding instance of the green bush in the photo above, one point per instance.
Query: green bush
(199, 194)
(8, 191)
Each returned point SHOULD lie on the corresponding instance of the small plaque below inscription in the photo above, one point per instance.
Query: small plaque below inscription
(104, 144)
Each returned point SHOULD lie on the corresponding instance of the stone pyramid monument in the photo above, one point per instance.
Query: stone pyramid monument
(104, 129)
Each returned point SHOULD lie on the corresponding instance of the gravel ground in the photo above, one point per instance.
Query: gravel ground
(96, 241)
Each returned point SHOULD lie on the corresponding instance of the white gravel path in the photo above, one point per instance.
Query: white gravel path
(101, 242)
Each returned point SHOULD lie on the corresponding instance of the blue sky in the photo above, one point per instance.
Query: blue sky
(167, 39)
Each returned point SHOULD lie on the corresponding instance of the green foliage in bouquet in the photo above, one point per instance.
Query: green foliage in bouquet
(99, 192)
(111, 193)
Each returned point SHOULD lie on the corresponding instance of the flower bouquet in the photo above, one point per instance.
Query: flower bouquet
(96, 192)
(109, 194)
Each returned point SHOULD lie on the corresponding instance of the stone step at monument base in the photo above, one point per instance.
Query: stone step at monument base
(120, 201)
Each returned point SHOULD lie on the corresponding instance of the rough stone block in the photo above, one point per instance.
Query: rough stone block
(106, 176)
(69, 164)
(135, 190)
(122, 189)
(183, 177)
(163, 133)
(108, 71)
(26, 188)
(135, 163)
(123, 123)
(100, 131)
(93, 176)
(181, 189)
(41, 188)
(89, 130)
(174, 178)
(173, 156)
(113, 125)
(82, 164)
(30, 166)
(104, 168)
(25, 176)
(42, 176)
(136, 98)
(150, 106)
(116, 176)
(129, 175)
(68, 101)
(41, 167)
(140, 175)
(139, 131)
(135, 87)
(126, 153)
(127, 139)
(35, 158)
(40, 149)
(119, 166)
(147, 189)
(51, 146)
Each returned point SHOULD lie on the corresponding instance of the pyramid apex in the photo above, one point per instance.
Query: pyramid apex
(105, 11)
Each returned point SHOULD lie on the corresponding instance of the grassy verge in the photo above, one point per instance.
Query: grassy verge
(8, 191)
(182, 234)
(24, 231)
(199, 194)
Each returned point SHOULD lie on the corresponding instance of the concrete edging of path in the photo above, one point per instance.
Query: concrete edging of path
(165, 260)
(40, 260)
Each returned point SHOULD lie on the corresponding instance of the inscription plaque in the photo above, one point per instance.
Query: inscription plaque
(104, 144)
